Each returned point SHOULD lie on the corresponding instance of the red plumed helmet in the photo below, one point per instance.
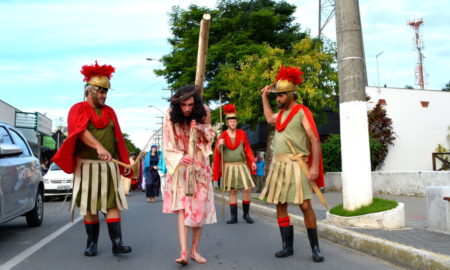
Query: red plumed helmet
(96, 70)
(230, 111)
(292, 74)
(229, 108)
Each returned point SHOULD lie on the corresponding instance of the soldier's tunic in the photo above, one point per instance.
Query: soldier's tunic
(236, 172)
(286, 182)
(97, 184)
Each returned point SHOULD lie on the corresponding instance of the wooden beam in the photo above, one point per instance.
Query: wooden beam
(202, 51)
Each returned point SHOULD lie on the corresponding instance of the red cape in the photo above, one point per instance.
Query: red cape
(320, 181)
(241, 137)
(79, 116)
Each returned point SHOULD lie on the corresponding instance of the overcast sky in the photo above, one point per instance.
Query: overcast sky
(43, 45)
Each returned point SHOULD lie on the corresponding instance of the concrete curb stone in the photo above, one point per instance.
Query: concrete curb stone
(403, 255)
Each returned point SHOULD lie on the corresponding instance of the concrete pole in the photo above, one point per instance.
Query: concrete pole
(202, 51)
(356, 172)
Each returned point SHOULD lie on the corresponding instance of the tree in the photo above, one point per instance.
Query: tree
(242, 85)
(130, 145)
(238, 29)
(447, 87)
(408, 87)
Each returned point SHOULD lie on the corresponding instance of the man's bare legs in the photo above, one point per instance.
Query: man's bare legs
(195, 255)
(183, 232)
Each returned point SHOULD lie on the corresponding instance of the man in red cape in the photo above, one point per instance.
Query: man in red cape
(94, 139)
(287, 181)
(238, 161)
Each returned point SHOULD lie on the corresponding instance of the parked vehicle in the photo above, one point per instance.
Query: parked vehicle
(57, 182)
(21, 186)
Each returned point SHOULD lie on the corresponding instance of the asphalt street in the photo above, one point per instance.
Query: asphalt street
(153, 237)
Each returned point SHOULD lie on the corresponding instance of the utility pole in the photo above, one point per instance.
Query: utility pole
(356, 171)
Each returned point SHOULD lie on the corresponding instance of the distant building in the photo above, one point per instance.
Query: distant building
(34, 126)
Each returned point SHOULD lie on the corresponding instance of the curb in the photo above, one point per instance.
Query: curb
(397, 253)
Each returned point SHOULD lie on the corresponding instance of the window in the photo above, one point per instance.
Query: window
(4, 136)
(20, 142)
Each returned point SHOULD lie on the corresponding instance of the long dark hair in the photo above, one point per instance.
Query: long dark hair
(183, 93)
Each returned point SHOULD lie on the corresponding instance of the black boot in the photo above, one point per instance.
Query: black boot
(92, 231)
(233, 212)
(287, 237)
(115, 233)
(246, 215)
(314, 241)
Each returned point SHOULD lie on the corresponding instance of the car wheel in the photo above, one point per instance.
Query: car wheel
(35, 216)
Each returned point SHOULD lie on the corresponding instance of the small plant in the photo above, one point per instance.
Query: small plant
(441, 149)
(378, 205)
(380, 129)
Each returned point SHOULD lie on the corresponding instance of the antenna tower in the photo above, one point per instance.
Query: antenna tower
(418, 44)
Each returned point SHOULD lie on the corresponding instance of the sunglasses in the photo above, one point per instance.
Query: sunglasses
(279, 94)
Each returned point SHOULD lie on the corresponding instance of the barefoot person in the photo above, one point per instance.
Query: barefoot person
(94, 139)
(238, 163)
(188, 192)
(286, 182)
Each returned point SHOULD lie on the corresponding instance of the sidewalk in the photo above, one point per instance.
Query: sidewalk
(414, 247)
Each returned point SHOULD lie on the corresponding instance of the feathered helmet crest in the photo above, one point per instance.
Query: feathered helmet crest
(288, 79)
(98, 75)
(230, 111)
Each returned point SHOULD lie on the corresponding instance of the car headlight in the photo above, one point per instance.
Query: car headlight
(46, 181)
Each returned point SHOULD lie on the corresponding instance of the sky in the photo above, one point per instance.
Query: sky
(43, 45)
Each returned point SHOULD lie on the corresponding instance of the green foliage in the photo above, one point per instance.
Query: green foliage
(408, 87)
(238, 29)
(378, 205)
(242, 85)
(447, 87)
(380, 128)
(130, 145)
(331, 152)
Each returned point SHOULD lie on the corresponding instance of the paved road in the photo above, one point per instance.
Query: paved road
(153, 237)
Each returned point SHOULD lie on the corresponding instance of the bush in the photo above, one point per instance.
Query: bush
(331, 152)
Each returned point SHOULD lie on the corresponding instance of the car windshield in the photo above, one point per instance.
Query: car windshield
(54, 167)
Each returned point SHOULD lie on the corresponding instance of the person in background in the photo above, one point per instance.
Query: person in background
(152, 179)
(260, 166)
(162, 172)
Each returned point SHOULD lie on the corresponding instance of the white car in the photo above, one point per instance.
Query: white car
(57, 182)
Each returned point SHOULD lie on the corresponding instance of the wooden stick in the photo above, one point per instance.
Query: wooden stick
(202, 51)
(141, 154)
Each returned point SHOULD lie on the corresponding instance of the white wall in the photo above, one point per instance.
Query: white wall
(396, 183)
(418, 130)
(7, 113)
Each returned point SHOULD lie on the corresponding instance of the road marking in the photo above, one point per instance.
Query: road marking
(29, 251)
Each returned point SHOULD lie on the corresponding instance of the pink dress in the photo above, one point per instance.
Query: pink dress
(199, 209)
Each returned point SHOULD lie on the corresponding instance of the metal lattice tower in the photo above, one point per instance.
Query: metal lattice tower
(418, 44)
(326, 13)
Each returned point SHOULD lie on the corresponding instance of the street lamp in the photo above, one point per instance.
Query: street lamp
(378, 72)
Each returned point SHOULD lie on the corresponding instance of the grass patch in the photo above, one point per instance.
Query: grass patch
(378, 205)
(256, 199)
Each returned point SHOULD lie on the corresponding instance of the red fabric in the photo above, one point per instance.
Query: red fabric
(233, 203)
(112, 220)
(246, 202)
(284, 222)
(281, 126)
(229, 108)
(91, 222)
(79, 116)
(241, 137)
